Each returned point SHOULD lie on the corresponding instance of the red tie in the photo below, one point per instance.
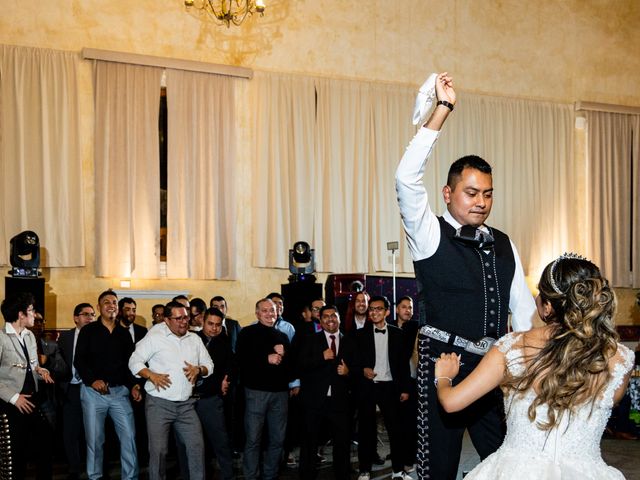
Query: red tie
(333, 344)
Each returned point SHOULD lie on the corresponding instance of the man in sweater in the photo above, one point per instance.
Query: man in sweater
(263, 359)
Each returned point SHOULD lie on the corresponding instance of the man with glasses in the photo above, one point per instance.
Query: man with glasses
(382, 372)
(72, 428)
(23, 429)
(172, 359)
(102, 354)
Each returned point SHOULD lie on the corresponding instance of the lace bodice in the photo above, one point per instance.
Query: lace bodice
(578, 434)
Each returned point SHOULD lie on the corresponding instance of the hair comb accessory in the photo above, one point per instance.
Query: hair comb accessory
(564, 256)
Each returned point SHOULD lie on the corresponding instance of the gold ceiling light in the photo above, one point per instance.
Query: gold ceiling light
(226, 12)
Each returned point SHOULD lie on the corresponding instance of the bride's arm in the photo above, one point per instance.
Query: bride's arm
(484, 378)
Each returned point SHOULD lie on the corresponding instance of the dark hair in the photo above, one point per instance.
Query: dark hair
(273, 295)
(349, 322)
(180, 297)
(381, 298)
(309, 304)
(329, 307)
(468, 161)
(107, 293)
(212, 311)
(217, 298)
(402, 299)
(170, 306)
(157, 305)
(14, 304)
(80, 307)
(199, 304)
(124, 300)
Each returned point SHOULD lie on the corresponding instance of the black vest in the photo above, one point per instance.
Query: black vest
(464, 290)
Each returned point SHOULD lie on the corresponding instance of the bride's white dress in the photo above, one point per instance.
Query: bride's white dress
(570, 451)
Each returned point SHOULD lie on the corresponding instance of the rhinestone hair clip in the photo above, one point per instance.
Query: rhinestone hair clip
(564, 256)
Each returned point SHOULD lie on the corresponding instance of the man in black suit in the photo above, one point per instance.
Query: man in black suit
(231, 327)
(234, 399)
(382, 371)
(324, 375)
(127, 311)
(210, 391)
(127, 315)
(72, 427)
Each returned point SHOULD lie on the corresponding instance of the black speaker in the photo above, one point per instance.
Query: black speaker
(296, 296)
(35, 286)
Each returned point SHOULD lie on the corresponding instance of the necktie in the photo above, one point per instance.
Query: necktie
(333, 344)
(382, 331)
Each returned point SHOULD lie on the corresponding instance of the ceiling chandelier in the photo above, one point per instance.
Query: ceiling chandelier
(226, 12)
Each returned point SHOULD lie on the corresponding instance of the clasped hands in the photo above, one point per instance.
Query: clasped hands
(276, 357)
(162, 381)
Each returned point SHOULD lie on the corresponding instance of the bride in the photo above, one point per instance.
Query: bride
(559, 381)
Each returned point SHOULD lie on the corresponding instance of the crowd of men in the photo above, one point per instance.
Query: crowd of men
(196, 386)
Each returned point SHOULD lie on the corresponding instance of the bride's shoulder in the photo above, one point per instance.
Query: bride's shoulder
(624, 357)
(536, 337)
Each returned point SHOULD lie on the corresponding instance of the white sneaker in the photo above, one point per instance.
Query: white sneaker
(424, 100)
(364, 476)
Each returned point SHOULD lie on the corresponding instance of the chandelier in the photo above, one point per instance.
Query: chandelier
(226, 12)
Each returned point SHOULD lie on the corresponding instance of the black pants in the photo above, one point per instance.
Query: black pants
(409, 437)
(329, 414)
(387, 397)
(440, 433)
(24, 436)
(73, 429)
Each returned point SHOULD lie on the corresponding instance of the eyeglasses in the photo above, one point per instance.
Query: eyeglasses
(377, 309)
(86, 314)
(184, 319)
(315, 309)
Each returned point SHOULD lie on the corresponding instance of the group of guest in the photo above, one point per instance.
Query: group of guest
(189, 383)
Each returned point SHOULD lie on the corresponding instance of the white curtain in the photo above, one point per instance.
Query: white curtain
(359, 133)
(40, 165)
(201, 207)
(284, 165)
(323, 172)
(127, 170)
(613, 195)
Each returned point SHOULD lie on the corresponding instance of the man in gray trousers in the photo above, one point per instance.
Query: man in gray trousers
(176, 358)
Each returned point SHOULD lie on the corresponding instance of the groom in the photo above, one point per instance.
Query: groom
(469, 279)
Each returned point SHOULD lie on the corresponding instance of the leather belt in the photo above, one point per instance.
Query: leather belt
(479, 347)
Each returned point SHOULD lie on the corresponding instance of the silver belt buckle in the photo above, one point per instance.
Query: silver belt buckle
(480, 347)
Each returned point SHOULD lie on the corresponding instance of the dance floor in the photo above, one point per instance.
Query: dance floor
(622, 454)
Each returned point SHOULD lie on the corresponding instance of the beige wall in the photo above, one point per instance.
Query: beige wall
(554, 50)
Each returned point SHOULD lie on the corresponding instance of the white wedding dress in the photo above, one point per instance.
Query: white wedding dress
(570, 451)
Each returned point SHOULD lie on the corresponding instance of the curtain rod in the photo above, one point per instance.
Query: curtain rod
(178, 64)
(606, 107)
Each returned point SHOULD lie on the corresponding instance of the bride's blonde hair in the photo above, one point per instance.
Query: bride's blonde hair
(572, 367)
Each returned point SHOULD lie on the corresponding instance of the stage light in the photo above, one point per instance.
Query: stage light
(301, 261)
(25, 254)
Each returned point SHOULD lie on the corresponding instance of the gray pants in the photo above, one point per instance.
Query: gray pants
(161, 415)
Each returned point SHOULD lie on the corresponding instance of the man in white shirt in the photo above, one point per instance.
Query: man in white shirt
(176, 358)
(469, 277)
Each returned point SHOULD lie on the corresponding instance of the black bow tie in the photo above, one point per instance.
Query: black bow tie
(378, 330)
